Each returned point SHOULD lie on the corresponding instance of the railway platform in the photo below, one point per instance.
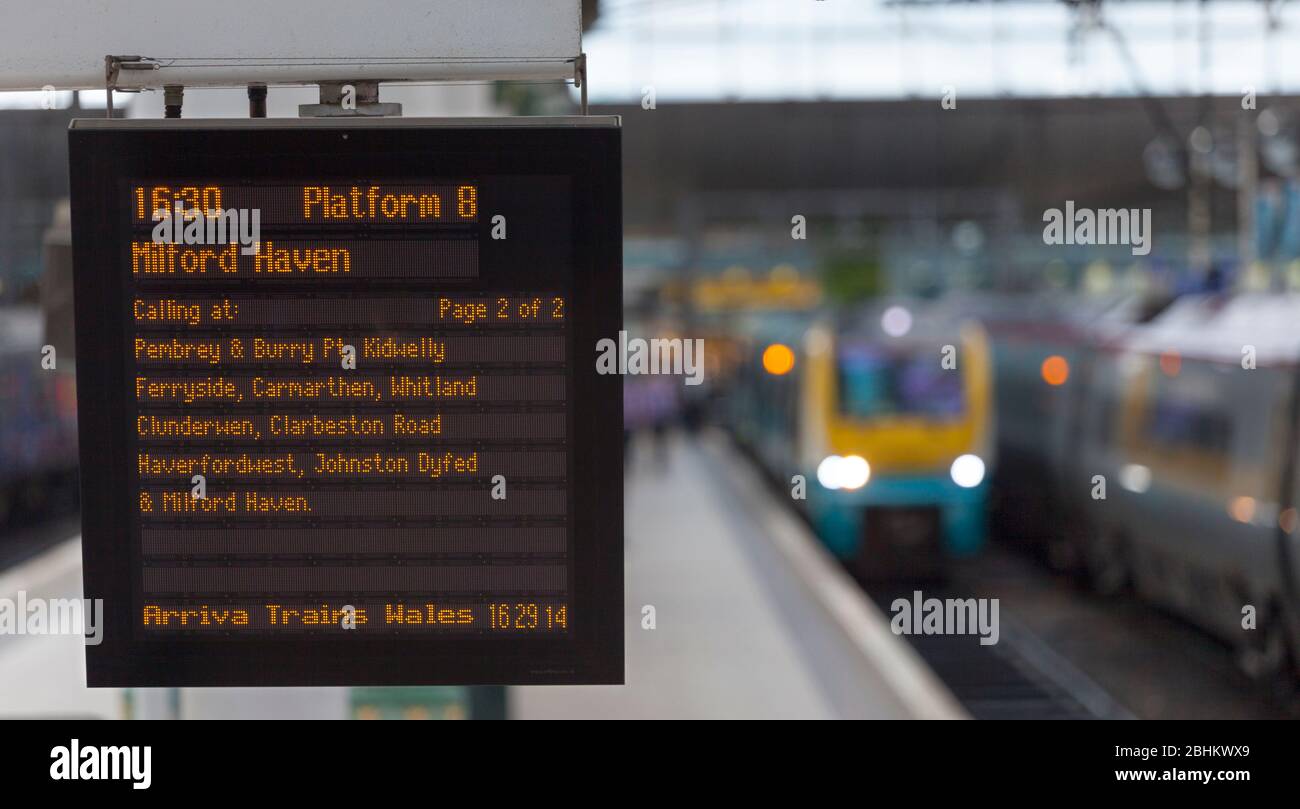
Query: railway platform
(751, 619)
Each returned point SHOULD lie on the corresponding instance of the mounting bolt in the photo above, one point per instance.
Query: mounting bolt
(257, 101)
(173, 97)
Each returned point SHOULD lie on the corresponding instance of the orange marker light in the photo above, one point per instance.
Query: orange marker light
(1171, 363)
(1242, 509)
(778, 359)
(1055, 370)
(1287, 520)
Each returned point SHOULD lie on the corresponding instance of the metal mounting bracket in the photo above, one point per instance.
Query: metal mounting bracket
(113, 67)
(580, 78)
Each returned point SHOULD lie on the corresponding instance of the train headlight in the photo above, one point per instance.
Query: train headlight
(851, 472)
(854, 472)
(1135, 477)
(967, 471)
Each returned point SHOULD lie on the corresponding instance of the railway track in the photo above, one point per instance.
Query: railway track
(24, 538)
(1019, 677)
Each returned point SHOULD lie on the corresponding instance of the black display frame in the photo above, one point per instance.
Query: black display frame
(585, 149)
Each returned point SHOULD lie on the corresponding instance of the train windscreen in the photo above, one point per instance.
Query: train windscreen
(878, 382)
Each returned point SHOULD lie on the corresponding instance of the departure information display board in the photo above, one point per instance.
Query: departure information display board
(340, 416)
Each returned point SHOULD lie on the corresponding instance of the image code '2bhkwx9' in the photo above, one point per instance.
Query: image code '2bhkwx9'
(340, 418)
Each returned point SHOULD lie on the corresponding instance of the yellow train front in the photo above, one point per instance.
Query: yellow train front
(880, 427)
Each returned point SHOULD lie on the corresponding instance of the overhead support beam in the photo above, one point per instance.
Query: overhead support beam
(240, 42)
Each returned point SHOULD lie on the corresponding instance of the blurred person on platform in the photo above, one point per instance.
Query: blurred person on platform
(650, 405)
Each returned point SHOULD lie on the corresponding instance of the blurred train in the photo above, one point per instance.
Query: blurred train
(1144, 442)
(1042, 347)
(1155, 446)
(886, 415)
(38, 418)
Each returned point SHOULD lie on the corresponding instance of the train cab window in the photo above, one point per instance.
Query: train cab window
(875, 382)
(1186, 414)
(1180, 427)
